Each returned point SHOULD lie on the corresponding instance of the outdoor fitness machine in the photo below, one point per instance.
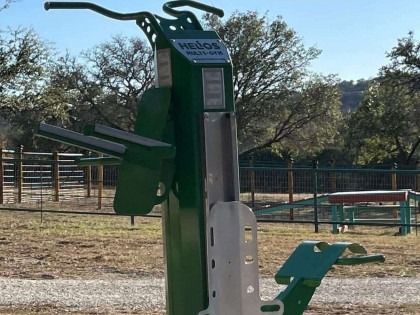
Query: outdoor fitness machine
(183, 155)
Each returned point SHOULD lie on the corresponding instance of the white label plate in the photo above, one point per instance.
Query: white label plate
(202, 50)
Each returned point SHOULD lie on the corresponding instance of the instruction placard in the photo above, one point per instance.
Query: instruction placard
(202, 50)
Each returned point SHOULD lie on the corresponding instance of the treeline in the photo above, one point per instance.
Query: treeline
(283, 109)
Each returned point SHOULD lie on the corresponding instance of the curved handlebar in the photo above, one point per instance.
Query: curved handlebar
(169, 7)
(96, 8)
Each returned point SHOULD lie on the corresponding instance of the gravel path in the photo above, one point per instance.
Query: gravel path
(148, 294)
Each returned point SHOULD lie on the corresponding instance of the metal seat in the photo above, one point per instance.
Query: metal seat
(307, 266)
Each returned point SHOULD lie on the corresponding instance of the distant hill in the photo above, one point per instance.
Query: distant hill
(352, 93)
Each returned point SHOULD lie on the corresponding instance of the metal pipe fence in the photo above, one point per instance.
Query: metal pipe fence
(297, 194)
(262, 185)
(55, 182)
(48, 181)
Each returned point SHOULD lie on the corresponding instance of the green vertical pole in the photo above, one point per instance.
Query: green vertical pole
(341, 214)
(403, 218)
(351, 217)
(334, 219)
(315, 188)
(186, 283)
(290, 185)
(408, 217)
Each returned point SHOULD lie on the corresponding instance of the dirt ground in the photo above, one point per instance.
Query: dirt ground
(95, 247)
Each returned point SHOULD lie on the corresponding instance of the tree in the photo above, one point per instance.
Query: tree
(306, 121)
(278, 103)
(404, 68)
(386, 127)
(24, 80)
(100, 86)
(119, 71)
(103, 85)
(72, 87)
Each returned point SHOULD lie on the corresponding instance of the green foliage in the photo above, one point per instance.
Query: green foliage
(404, 68)
(120, 70)
(101, 86)
(104, 84)
(307, 121)
(278, 104)
(386, 126)
(25, 89)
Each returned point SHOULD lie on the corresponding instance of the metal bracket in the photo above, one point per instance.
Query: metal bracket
(221, 156)
(233, 263)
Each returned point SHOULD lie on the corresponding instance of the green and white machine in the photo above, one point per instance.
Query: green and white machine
(183, 155)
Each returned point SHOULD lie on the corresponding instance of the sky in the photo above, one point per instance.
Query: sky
(354, 35)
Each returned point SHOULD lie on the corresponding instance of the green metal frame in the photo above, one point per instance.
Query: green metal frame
(291, 205)
(338, 213)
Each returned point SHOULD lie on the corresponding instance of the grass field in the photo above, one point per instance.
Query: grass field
(95, 247)
(65, 246)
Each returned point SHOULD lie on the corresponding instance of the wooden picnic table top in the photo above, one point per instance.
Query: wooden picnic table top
(369, 196)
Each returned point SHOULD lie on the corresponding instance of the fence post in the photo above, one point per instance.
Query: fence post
(394, 186)
(89, 181)
(20, 172)
(333, 178)
(1, 177)
(88, 177)
(56, 176)
(315, 188)
(100, 184)
(290, 185)
(252, 164)
(394, 177)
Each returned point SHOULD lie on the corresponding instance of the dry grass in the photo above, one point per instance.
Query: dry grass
(102, 247)
(78, 247)
(336, 309)
(277, 241)
(88, 247)
(54, 310)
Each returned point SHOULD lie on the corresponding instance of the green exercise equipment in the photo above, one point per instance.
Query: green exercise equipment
(183, 155)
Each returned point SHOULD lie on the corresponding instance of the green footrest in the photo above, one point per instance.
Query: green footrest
(307, 266)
